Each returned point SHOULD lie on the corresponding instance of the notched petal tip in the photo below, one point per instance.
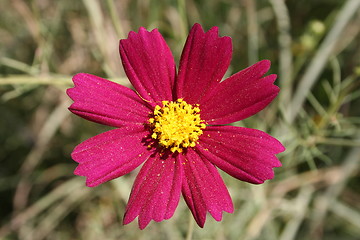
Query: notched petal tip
(265, 62)
(97, 99)
(75, 79)
(241, 95)
(273, 77)
(212, 31)
(88, 182)
(227, 41)
(149, 64)
(110, 155)
(203, 189)
(156, 191)
(141, 31)
(134, 34)
(79, 77)
(70, 92)
(127, 220)
(261, 67)
(246, 154)
(196, 27)
(281, 147)
(203, 63)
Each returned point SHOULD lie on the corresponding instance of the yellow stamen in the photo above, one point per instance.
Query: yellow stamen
(176, 125)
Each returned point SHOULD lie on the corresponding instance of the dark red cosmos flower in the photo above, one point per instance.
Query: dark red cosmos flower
(172, 124)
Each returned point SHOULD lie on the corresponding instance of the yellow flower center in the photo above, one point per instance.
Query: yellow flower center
(176, 125)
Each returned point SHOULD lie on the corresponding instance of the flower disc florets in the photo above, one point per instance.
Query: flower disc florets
(176, 125)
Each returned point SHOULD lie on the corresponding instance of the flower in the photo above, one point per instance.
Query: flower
(173, 124)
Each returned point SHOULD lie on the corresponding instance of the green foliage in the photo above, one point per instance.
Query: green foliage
(314, 49)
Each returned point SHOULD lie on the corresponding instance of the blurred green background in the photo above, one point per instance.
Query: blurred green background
(314, 47)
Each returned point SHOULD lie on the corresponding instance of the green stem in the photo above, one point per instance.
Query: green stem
(190, 227)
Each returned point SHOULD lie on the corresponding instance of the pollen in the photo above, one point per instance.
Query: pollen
(176, 125)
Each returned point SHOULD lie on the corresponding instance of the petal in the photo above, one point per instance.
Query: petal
(156, 191)
(110, 155)
(204, 61)
(244, 153)
(106, 102)
(240, 96)
(203, 188)
(149, 64)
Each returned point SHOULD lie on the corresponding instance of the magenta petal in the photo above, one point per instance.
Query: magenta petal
(106, 102)
(156, 191)
(110, 155)
(244, 153)
(240, 96)
(204, 61)
(149, 64)
(203, 188)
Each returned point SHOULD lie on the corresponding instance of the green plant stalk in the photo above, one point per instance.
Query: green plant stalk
(320, 59)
